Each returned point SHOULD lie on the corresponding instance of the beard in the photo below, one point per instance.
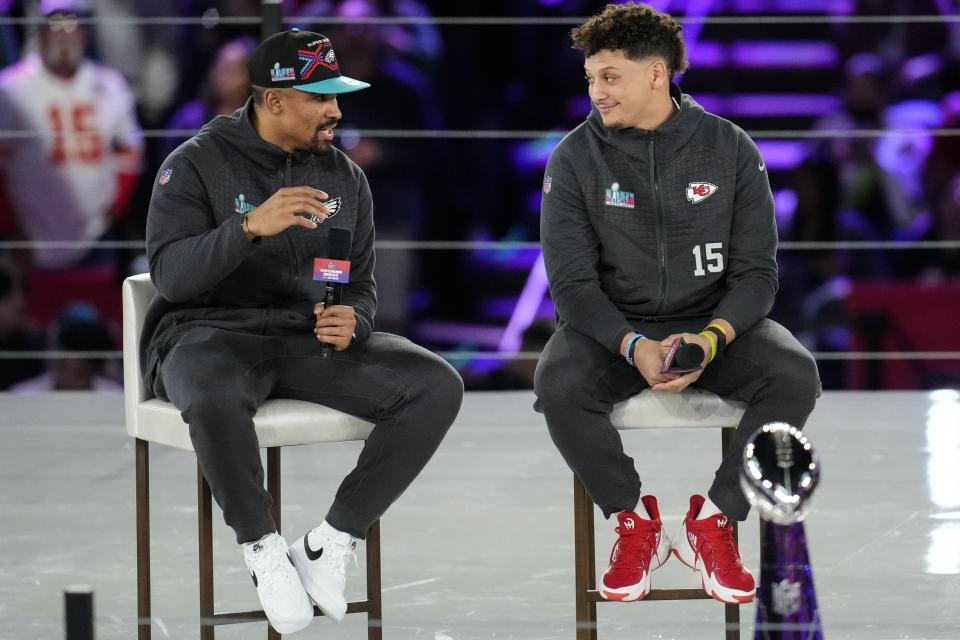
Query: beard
(319, 145)
(612, 124)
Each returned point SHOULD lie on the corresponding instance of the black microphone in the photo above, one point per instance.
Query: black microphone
(338, 248)
(689, 356)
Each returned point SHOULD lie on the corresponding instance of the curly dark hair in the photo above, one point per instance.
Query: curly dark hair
(639, 30)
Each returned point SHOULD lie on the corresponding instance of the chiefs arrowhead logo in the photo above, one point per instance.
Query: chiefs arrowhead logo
(697, 192)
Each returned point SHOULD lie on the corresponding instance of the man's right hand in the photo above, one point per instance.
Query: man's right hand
(281, 211)
(648, 355)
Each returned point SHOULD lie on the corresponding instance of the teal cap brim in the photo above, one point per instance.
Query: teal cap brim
(340, 84)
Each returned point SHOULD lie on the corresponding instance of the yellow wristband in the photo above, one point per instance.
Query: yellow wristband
(712, 339)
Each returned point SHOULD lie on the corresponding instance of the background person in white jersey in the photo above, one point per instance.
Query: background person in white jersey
(74, 161)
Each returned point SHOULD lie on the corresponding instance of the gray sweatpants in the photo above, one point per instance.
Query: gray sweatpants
(578, 381)
(219, 378)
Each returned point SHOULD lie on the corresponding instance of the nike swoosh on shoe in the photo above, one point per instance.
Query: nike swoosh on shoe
(311, 555)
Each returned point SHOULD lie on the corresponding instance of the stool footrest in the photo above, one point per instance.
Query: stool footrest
(586, 593)
(657, 594)
(361, 606)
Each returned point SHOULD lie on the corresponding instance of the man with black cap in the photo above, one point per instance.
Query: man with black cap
(238, 215)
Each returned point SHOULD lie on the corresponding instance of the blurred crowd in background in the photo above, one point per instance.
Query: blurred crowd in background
(88, 111)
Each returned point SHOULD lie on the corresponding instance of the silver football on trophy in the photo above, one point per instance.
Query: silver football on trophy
(780, 471)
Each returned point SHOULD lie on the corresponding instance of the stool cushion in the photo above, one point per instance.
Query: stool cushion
(691, 408)
(279, 423)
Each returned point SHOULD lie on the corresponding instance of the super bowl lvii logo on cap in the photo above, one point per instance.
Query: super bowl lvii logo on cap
(281, 74)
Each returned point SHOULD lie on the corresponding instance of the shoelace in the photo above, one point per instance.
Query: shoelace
(636, 545)
(337, 559)
(272, 570)
(725, 553)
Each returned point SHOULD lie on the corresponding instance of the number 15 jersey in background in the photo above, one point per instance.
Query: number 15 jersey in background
(61, 165)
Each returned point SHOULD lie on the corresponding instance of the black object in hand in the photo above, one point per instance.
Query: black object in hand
(339, 243)
(682, 357)
(689, 356)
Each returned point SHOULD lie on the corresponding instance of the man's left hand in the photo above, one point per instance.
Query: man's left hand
(679, 384)
(335, 326)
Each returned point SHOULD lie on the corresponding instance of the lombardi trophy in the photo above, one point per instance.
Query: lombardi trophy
(779, 473)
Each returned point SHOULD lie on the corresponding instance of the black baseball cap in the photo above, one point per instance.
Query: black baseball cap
(303, 60)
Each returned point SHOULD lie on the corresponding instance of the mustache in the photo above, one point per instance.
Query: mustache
(329, 123)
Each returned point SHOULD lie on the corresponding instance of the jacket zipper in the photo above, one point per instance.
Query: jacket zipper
(293, 246)
(288, 182)
(661, 229)
(284, 181)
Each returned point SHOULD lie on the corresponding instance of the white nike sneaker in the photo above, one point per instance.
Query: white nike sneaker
(281, 593)
(321, 560)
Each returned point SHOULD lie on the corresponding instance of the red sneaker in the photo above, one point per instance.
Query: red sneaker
(708, 547)
(640, 549)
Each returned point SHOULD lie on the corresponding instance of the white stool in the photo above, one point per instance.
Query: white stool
(279, 423)
(693, 408)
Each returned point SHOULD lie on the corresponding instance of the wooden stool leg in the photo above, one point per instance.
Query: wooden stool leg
(375, 614)
(584, 563)
(731, 612)
(143, 539)
(732, 617)
(273, 487)
(205, 531)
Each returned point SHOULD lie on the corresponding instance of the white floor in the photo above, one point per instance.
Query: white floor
(481, 545)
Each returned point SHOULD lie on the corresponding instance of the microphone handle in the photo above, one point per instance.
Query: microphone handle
(330, 298)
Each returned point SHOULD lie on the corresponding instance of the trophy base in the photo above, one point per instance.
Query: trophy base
(786, 599)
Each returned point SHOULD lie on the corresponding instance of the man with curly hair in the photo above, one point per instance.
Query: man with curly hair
(657, 223)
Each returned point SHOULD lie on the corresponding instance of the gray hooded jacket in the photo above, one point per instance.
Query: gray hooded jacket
(645, 226)
(206, 271)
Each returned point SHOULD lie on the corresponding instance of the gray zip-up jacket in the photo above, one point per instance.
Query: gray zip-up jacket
(206, 271)
(645, 226)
